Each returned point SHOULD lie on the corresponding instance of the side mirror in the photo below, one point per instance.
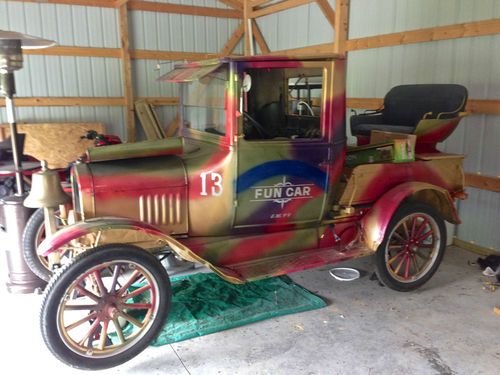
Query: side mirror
(245, 87)
(247, 83)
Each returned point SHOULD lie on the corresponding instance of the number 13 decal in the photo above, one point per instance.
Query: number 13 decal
(215, 181)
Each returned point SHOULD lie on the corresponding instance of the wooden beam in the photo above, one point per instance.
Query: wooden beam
(259, 38)
(126, 72)
(463, 30)
(116, 53)
(364, 103)
(173, 127)
(78, 101)
(67, 102)
(170, 55)
(359, 103)
(90, 3)
(197, 10)
(236, 4)
(75, 51)
(233, 41)
(342, 24)
(472, 246)
(151, 6)
(159, 101)
(119, 3)
(327, 10)
(247, 41)
(278, 7)
(490, 107)
(318, 50)
(482, 182)
(256, 3)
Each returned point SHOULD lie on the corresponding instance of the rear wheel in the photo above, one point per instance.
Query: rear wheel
(413, 247)
(105, 306)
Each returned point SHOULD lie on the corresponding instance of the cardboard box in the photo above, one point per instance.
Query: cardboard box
(404, 144)
(369, 154)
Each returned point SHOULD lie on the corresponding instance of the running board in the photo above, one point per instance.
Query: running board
(293, 262)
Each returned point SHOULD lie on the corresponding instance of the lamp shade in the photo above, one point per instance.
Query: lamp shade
(27, 41)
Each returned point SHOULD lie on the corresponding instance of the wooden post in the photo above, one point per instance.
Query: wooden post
(247, 10)
(327, 10)
(233, 41)
(341, 25)
(126, 72)
(259, 38)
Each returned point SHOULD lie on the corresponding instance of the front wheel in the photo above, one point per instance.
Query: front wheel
(33, 235)
(413, 247)
(105, 306)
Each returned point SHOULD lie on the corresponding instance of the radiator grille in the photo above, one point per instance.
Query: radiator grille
(161, 209)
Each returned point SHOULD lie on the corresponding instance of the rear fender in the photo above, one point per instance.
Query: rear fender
(94, 226)
(374, 224)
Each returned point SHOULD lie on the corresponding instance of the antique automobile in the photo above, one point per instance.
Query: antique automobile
(259, 183)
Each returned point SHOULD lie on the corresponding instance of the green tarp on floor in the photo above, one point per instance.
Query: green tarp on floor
(204, 303)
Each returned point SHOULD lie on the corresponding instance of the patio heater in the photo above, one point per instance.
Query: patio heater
(13, 215)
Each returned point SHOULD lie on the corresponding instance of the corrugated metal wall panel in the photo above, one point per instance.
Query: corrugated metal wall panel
(69, 76)
(65, 75)
(174, 32)
(179, 32)
(368, 18)
(45, 76)
(480, 215)
(201, 3)
(101, 77)
(146, 74)
(296, 27)
(472, 62)
(67, 24)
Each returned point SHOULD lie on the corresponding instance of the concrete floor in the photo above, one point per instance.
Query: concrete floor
(446, 327)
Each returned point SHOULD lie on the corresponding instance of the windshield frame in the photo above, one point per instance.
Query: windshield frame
(229, 109)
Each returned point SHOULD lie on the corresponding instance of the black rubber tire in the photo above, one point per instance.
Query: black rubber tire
(383, 274)
(29, 240)
(66, 275)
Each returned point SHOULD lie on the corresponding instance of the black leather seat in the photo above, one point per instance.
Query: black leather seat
(406, 105)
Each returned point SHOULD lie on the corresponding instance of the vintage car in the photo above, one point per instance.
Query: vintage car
(259, 183)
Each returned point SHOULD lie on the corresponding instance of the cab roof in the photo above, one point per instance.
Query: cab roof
(260, 58)
(191, 71)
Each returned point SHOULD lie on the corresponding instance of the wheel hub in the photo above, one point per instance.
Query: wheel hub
(108, 307)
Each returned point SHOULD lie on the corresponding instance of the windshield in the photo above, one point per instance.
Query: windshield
(283, 103)
(203, 102)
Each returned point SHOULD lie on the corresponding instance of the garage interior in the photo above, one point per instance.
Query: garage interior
(103, 75)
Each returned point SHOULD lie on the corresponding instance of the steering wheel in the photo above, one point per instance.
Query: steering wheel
(257, 125)
(305, 104)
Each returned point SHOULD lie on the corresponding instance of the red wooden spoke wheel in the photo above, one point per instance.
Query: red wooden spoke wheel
(412, 248)
(105, 306)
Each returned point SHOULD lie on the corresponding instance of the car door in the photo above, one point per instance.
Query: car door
(283, 153)
(281, 183)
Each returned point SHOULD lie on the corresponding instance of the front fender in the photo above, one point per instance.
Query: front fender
(374, 224)
(75, 231)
